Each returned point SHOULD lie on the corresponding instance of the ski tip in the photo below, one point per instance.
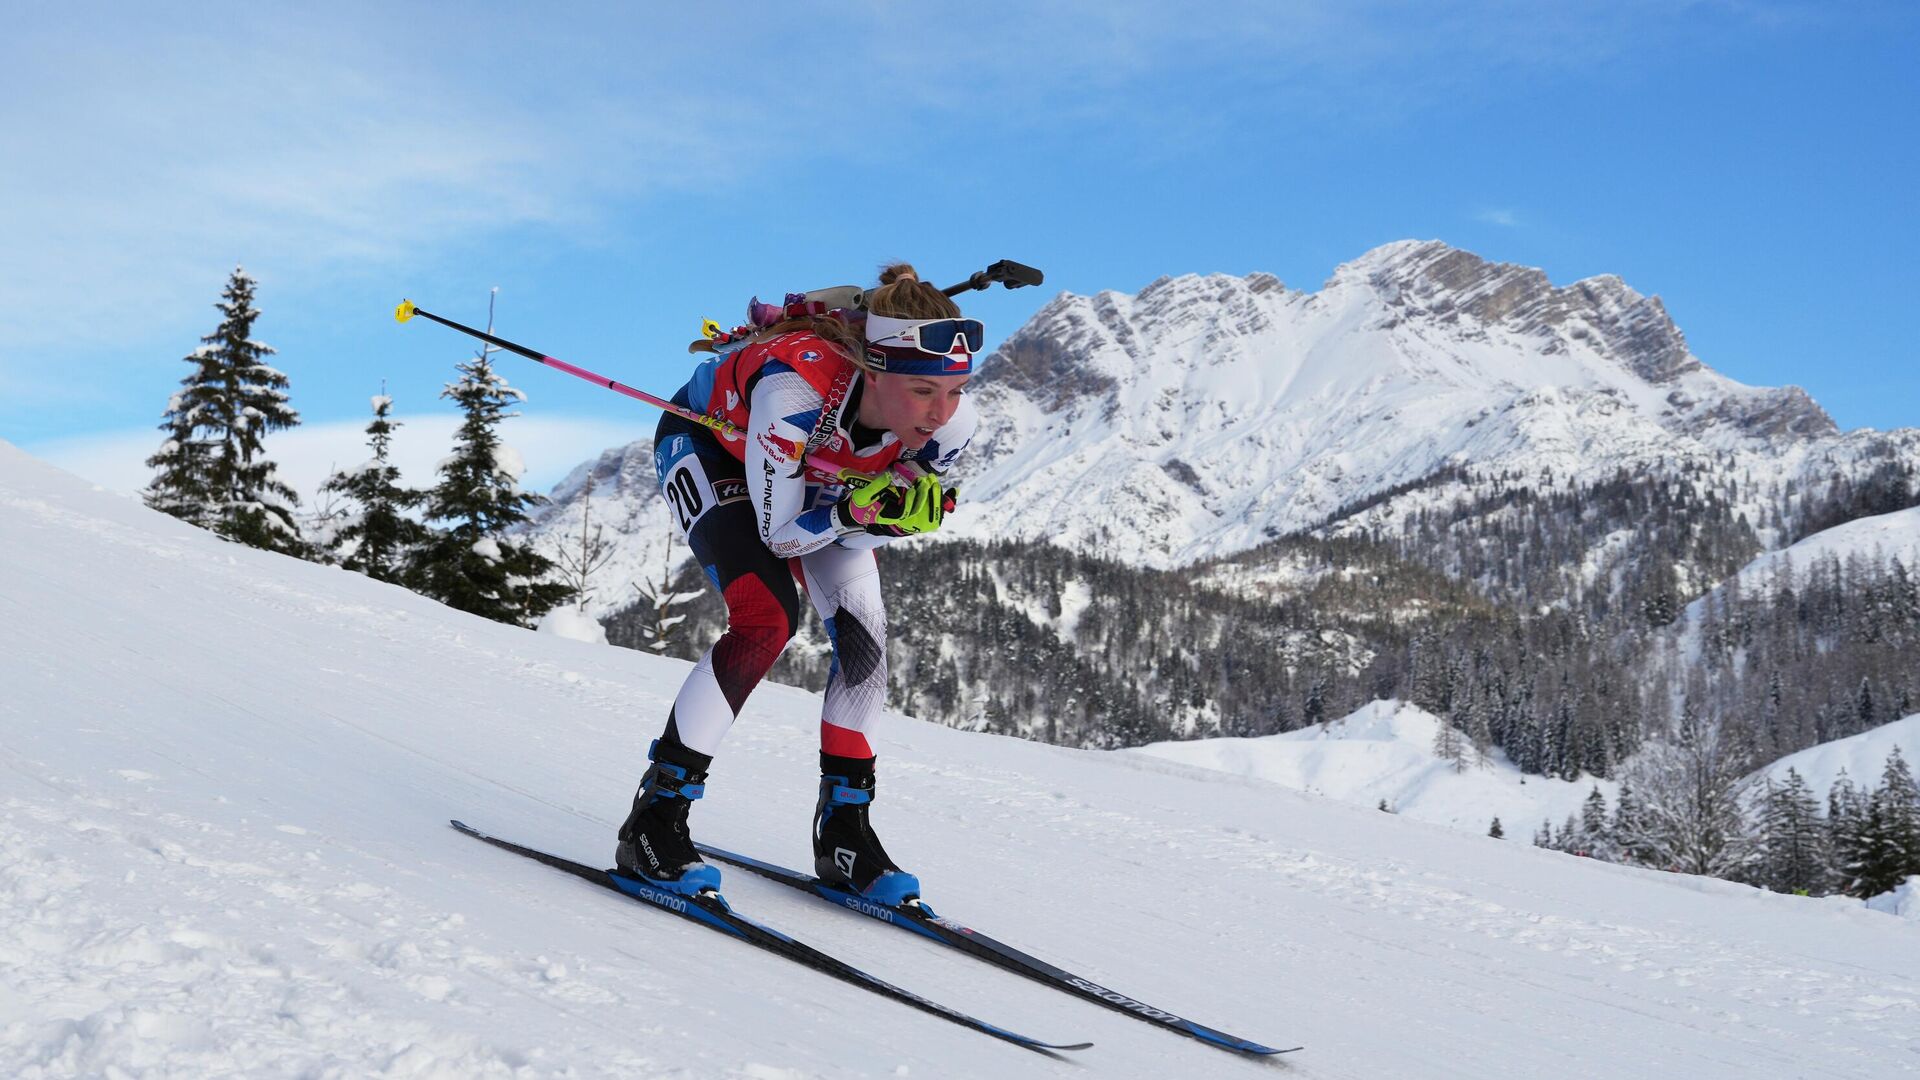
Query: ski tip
(402, 314)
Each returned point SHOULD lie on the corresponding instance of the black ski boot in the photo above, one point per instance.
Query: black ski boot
(846, 854)
(654, 843)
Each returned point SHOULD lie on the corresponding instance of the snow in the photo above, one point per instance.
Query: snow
(1903, 901)
(487, 548)
(508, 463)
(1863, 756)
(570, 622)
(225, 777)
(1876, 541)
(1384, 750)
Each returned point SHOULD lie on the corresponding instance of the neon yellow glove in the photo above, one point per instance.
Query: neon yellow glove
(878, 506)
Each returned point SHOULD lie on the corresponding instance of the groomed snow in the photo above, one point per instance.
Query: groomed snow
(225, 777)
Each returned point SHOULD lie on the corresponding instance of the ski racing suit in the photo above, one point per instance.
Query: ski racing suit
(757, 511)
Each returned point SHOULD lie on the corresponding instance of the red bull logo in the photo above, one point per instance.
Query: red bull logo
(780, 448)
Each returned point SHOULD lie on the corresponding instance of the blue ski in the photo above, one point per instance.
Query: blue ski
(711, 911)
(918, 918)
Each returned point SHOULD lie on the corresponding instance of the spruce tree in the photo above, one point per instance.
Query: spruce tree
(471, 565)
(1793, 838)
(1889, 848)
(1846, 830)
(1596, 832)
(212, 470)
(380, 538)
(1495, 830)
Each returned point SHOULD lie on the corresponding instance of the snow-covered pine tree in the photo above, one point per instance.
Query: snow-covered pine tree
(213, 470)
(470, 564)
(1793, 838)
(1596, 831)
(1629, 825)
(1889, 849)
(378, 538)
(1846, 830)
(1495, 830)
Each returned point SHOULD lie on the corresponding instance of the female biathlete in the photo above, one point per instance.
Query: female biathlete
(847, 429)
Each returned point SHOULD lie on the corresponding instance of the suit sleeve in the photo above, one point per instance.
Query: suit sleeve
(782, 411)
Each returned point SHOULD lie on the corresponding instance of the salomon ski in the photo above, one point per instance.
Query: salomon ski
(710, 910)
(918, 918)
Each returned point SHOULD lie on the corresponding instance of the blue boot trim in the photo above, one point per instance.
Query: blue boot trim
(851, 796)
(893, 888)
(694, 881)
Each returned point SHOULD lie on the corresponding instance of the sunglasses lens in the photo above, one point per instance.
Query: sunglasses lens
(939, 337)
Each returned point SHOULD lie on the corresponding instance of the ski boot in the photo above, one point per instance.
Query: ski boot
(654, 842)
(846, 854)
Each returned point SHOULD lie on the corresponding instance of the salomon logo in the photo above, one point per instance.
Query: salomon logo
(865, 908)
(666, 900)
(1121, 1000)
(652, 859)
(843, 861)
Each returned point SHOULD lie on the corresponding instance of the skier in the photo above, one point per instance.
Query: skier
(848, 426)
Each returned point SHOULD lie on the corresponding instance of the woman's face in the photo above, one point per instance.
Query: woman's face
(913, 407)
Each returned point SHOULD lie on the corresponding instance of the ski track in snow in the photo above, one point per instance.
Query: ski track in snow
(225, 777)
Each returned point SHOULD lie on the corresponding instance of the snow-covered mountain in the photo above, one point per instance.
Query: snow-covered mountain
(1206, 414)
(225, 776)
(614, 498)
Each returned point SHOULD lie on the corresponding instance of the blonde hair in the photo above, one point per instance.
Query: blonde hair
(901, 295)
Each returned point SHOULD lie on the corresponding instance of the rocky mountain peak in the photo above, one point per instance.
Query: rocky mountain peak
(1429, 279)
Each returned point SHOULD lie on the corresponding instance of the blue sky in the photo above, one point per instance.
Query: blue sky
(619, 174)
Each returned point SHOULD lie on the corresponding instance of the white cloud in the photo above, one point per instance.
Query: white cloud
(306, 455)
(1494, 216)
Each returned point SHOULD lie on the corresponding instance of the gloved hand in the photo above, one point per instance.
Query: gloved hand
(877, 505)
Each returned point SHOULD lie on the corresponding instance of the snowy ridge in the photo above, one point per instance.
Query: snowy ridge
(1385, 751)
(223, 853)
(1870, 541)
(1862, 756)
(1225, 411)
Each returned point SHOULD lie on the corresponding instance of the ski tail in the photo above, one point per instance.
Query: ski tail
(921, 919)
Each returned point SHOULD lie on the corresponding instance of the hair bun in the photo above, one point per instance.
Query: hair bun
(899, 272)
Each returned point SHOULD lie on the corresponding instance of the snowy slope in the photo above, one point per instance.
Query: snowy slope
(224, 777)
(1863, 756)
(1871, 541)
(1384, 750)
